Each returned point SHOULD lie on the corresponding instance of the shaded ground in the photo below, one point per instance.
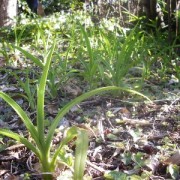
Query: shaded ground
(127, 138)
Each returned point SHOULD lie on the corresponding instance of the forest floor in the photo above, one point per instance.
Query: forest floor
(128, 139)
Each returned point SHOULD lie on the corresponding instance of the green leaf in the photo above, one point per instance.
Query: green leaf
(40, 95)
(81, 154)
(173, 169)
(126, 158)
(21, 139)
(70, 135)
(30, 93)
(87, 95)
(139, 160)
(77, 100)
(88, 45)
(115, 175)
(3, 147)
(30, 56)
(23, 116)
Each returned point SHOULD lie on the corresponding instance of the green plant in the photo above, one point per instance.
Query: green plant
(60, 72)
(42, 35)
(120, 54)
(41, 144)
(18, 34)
(4, 52)
(53, 86)
(90, 65)
(177, 69)
(30, 56)
(29, 90)
(108, 56)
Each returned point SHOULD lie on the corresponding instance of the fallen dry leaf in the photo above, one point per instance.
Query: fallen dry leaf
(2, 61)
(3, 171)
(11, 177)
(72, 88)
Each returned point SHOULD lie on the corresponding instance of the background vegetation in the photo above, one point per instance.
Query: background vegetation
(51, 66)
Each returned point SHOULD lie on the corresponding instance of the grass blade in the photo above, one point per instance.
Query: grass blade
(88, 45)
(92, 64)
(80, 154)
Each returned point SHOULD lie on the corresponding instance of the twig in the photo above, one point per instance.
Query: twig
(95, 167)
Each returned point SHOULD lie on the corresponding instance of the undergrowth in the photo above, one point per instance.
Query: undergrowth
(94, 56)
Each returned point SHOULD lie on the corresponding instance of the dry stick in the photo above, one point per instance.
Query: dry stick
(14, 147)
(139, 122)
(170, 106)
(95, 167)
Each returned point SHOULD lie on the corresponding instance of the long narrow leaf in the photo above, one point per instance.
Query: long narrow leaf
(21, 139)
(30, 56)
(92, 65)
(77, 100)
(80, 154)
(40, 95)
(87, 44)
(22, 115)
(70, 135)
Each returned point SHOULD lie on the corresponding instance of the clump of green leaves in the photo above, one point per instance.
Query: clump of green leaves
(41, 144)
(29, 90)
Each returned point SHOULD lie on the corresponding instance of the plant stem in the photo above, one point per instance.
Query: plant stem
(47, 169)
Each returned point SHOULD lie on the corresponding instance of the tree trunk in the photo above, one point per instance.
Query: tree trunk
(8, 10)
(149, 7)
